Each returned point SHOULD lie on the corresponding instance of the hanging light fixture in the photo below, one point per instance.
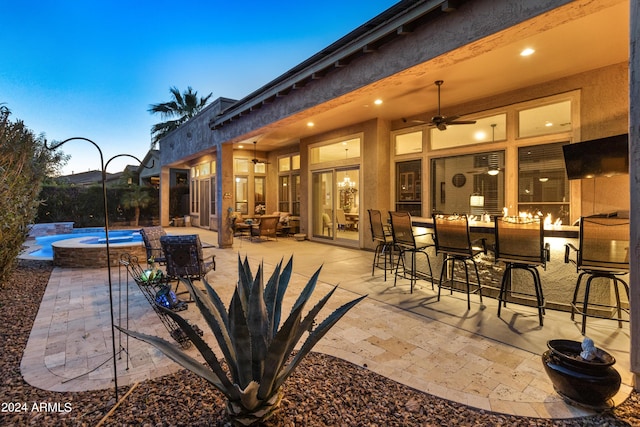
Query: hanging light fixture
(493, 169)
(346, 181)
(476, 200)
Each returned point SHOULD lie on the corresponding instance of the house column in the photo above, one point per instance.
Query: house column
(634, 186)
(224, 194)
(165, 189)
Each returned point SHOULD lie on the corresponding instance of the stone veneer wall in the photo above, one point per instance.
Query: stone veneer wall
(50, 229)
(95, 257)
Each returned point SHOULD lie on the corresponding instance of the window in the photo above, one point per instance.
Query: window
(259, 184)
(543, 187)
(545, 120)
(259, 168)
(295, 195)
(342, 150)
(486, 129)
(242, 166)
(408, 143)
(289, 184)
(283, 193)
(242, 194)
(295, 162)
(284, 164)
(213, 195)
(212, 198)
(408, 187)
(471, 183)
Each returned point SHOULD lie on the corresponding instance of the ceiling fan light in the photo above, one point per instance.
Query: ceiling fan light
(493, 171)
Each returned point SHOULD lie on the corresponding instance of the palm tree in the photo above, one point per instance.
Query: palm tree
(181, 108)
(137, 198)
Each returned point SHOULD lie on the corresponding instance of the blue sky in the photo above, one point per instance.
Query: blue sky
(88, 68)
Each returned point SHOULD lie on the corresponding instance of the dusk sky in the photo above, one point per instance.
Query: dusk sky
(91, 69)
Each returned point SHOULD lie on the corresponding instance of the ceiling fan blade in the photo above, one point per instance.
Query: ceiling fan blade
(462, 122)
(441, 121)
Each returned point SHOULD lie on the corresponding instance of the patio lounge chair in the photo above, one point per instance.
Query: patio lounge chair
(185, 259)
(267, 227)
(151, 237)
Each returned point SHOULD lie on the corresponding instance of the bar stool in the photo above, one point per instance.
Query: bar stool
(519, 243)
(603, 254)
(453, 239)
(385, 245)
(405, 240)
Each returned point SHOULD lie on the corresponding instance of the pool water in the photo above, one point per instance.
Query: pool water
(94, 236)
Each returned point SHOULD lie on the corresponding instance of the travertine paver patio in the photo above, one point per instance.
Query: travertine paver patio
(470, 357)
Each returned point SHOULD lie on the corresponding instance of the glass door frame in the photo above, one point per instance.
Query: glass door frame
(324, 224)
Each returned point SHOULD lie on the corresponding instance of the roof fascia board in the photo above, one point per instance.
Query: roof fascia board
(353, 43)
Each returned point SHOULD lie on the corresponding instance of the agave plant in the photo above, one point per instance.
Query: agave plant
(258, 350)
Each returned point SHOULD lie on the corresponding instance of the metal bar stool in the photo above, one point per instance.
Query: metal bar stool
(603, 254)
(405, 240)
(385, 245)
(454, 241)
(519, 243)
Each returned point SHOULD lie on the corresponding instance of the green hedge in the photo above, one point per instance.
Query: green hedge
(84, 206)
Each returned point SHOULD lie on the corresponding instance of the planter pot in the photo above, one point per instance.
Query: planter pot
(590, 383)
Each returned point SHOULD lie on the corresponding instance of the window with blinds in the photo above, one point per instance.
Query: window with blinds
(543, 187)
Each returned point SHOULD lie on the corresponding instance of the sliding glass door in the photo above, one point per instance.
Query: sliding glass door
(335, 205)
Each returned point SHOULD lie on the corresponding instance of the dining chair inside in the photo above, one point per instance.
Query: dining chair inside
(383, 255)
(453, 240)
(342, 221)
(602, 257)
(519, 243)
(409, 246)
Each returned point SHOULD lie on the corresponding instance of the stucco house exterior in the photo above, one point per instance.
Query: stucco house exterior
(357, 126)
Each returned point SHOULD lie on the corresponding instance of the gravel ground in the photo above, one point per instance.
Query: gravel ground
(325, 391)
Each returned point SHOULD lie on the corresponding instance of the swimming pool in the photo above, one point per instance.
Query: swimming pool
(93, 236)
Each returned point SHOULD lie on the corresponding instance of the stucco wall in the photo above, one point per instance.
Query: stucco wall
(604, 107)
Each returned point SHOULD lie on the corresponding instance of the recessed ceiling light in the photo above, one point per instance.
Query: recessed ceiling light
(310, 124)
(526, 52)
(548, 124)
(378, 101)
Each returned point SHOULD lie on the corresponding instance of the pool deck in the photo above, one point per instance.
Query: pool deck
(472, 357)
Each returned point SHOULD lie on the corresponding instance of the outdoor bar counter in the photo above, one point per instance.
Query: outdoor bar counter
(484, 228)
(558, 280)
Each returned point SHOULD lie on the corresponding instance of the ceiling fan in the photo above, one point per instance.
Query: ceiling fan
(441, 121)
(255, 159)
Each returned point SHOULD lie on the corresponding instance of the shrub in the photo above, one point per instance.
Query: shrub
(24, 164)
(258, 348)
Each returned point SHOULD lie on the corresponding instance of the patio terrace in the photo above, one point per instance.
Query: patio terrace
(472, 357)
